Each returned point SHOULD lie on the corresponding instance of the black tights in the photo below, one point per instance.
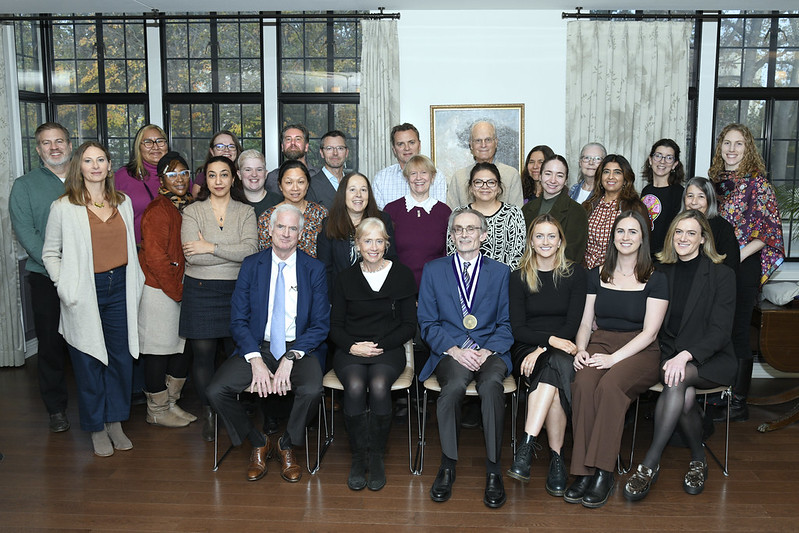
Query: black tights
(677, 405)
(205, 362)
(358, 378)
(156, 367)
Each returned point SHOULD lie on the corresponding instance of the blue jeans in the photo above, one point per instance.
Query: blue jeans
(104, 391)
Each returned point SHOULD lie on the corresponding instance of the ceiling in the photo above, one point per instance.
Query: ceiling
(141, 6)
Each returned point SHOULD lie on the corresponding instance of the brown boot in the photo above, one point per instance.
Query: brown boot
(174, 386)
(158, 412)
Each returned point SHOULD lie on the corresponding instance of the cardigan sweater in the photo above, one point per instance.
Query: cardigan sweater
(234, 242)
(69, 259)
(161, 252)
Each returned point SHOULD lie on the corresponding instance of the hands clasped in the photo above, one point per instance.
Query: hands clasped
(365, 349)
(470, 359)
(264, 382)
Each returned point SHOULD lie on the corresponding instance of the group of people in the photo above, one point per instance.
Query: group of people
(590, 294)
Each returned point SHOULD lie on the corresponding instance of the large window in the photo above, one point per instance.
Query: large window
(213, 81)
(320, 79)
(758, 85)
(89, 75)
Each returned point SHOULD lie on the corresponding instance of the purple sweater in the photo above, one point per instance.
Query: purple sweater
(141, 192)
(419, 237)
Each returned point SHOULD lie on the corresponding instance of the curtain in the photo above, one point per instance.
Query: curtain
(626, 86)
(12, 334)
(379, 108)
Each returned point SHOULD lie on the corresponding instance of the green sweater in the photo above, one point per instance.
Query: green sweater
(29, 206)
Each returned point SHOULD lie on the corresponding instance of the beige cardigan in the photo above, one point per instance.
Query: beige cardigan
(68, 257)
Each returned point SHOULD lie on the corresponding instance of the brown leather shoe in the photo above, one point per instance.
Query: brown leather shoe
(258, 457)
(291, 471)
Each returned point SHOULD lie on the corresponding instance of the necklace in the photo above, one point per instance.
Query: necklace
(99, 205)
(378, 269)
(623, 274)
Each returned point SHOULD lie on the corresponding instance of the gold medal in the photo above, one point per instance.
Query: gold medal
(469, 321)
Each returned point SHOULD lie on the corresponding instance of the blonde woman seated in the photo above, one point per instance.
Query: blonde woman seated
(696, 348)
(547, 296)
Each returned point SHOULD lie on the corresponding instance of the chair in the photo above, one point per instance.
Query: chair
(431, 384)
(403, 382)
(658, 387)
(218, 460)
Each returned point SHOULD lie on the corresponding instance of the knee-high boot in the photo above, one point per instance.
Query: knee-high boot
(358, 432)
(379, 428)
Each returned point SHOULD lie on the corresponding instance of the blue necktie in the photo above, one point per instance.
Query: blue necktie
(277, 333)
(469, 342)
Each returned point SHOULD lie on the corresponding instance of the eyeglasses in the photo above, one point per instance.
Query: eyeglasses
(222, 146)
(591, 159)
(468, 230)
(329, 149)
(182, 174)
(479, 184)
(149, 143)
(487, 140)
(657, 156)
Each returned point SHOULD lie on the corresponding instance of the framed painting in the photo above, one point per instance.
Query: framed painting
(449, 134)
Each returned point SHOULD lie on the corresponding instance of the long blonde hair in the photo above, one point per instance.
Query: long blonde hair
(529, 263)
(669, 255)
(75, 187)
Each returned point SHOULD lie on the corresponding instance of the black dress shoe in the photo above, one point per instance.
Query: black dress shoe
(576, 491)
(442, 486)
(59, 422)
(599, 490)
(495, 491)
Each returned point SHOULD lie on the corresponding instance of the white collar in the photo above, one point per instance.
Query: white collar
(427, 205)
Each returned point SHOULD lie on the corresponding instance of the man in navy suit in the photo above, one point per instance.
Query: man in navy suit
(463, 315)
(280, 317)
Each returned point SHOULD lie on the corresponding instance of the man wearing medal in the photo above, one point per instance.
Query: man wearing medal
(463, 315)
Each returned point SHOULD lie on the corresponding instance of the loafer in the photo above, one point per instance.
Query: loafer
(576, 491)
(59, 422)
(494, 496)
(694, 482)
(637, 487)
(290, 469)
(258, 457)
(442, 486)
(599, 490)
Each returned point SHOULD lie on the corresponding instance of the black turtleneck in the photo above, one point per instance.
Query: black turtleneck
(684, 273)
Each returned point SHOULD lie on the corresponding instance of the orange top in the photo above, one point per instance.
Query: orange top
(109, 242)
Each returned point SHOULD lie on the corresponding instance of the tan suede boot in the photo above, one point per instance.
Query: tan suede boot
(158, 412)
(174, 386)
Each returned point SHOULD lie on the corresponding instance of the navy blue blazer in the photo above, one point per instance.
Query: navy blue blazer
(441, 318)
(249, 305)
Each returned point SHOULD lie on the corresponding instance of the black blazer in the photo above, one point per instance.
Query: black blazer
(572, 218)
(321, 191)
(706, 323)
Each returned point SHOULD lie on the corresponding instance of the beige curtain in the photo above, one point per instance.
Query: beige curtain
(626, 86)
(12, 334)
(379, 108)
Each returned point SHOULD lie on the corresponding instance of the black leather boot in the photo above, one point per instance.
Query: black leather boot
(379, 428)
(522, 461)
(358, 432)
(557, 476)
(599, 490)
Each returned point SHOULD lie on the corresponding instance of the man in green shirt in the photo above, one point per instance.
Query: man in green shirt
(29, 206)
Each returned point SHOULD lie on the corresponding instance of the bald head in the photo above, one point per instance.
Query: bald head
(483, 142)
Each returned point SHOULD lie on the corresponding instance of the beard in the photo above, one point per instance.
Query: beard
(294, 154)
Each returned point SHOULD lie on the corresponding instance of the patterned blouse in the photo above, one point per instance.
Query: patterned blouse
(506, 236)
(314, 214)
(600, 222)
(750, 205)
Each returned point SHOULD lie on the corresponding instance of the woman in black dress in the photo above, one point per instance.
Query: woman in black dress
(373, 315)
(696, 349)
(547, 296)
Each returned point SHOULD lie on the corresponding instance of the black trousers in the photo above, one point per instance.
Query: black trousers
(52, 348)
(454, 378)
(235, 375)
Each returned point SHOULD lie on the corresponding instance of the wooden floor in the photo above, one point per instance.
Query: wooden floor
(54, 482)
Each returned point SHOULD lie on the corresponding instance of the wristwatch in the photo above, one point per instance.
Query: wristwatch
(291, 355)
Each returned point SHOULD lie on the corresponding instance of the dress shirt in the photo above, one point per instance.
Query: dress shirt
(290, 279)
(331, 178)
(389, 184)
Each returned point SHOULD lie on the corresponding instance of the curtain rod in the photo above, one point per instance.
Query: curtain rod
(157, 15)
(699, 15)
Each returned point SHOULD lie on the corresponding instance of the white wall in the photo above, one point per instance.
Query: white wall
(486, 57)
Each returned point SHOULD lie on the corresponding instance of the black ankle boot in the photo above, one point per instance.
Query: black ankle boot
(557, 476)
(522, 461)
(599, 490)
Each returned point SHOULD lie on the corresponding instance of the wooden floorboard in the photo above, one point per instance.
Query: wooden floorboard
(53, 482)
